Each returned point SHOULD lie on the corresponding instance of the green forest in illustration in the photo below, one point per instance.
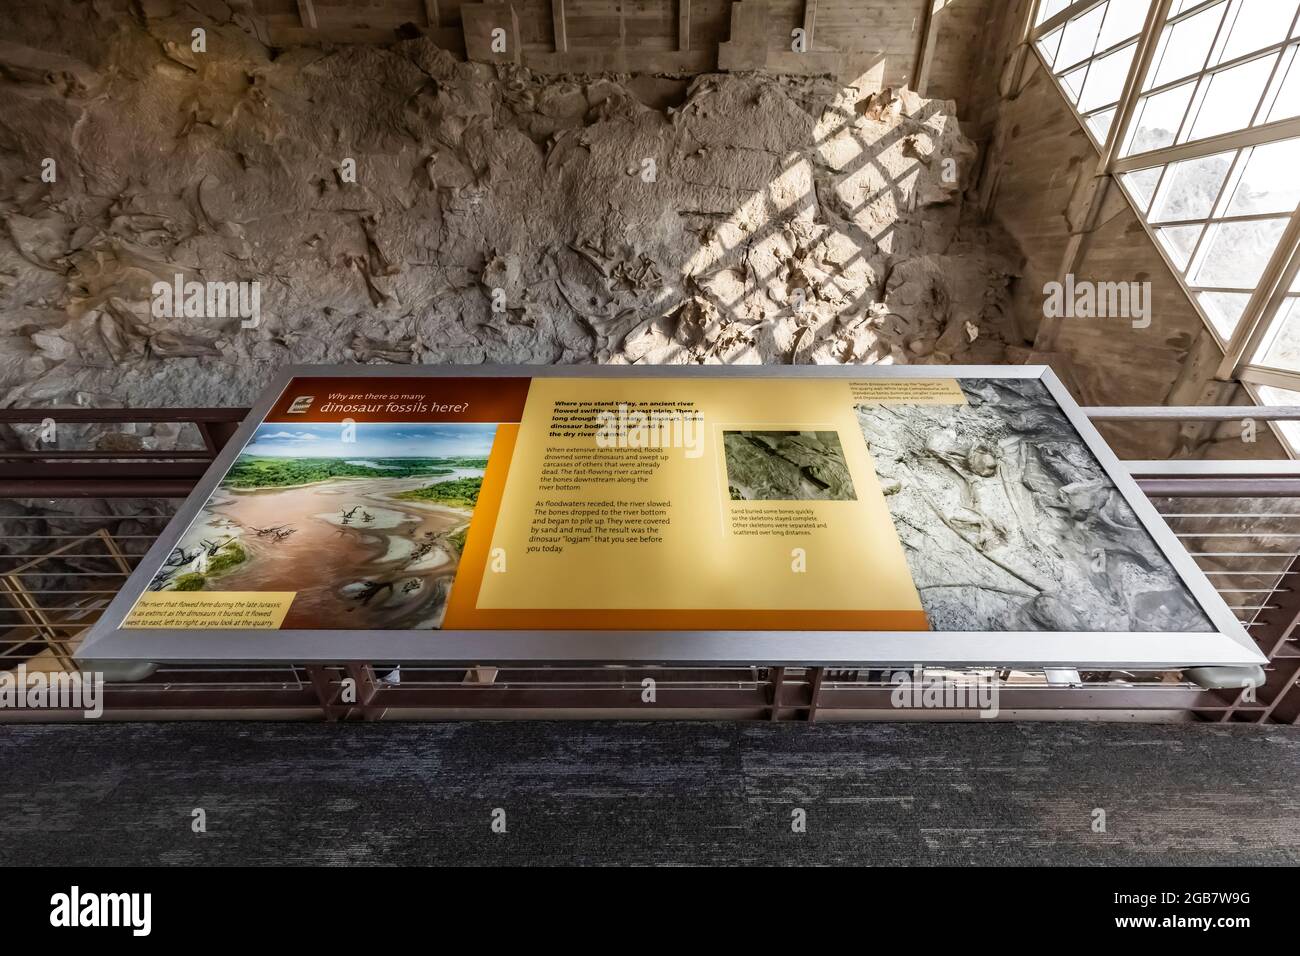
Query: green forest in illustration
(253, 472)
(460, 493)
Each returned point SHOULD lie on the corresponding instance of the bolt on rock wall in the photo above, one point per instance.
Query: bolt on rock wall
(396, 205)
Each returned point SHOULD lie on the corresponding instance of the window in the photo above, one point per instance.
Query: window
(1219, 220)
(1091, 55)
(1208, 152)
(1218, 67)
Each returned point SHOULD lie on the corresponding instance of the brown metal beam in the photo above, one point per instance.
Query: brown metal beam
(77, 414)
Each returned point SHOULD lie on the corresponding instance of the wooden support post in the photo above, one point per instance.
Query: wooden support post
(324, 688)
(809, 18)
(431, 14)
(367, 687)
(925, 47)
(561, 31)
(683, 25)
(307, 14)
(778, 681)
(815, 685)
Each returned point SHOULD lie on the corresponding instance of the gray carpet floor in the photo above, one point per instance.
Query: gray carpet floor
(649, 793)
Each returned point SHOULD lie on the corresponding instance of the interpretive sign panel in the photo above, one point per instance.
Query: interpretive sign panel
(494, 515)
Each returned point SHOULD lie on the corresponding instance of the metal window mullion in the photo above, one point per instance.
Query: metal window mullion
(1202, 76)
(1075, 9)
(1196, 75)
(1192, 260)
(1206, 76)
(1222, 289)
(1271, 377)
(1180, 277)
(1195, 9)
(1281, 55)
(1277, 64)
(1147, 41)
(1293, 51)
(1112, 50)
(1233, 7)
(1064, 93)
(1207, 70)
(1264, 306)
(1229, 220)
(1196, 79)
(1238, 139)
(1150, 204)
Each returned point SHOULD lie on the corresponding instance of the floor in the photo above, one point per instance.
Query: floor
(649, 793)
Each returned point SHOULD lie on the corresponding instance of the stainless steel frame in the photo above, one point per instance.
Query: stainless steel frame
(110, 645)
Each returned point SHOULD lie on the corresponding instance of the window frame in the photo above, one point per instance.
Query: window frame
(1260, 322)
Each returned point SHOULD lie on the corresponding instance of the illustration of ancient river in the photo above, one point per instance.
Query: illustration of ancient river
(357, 556)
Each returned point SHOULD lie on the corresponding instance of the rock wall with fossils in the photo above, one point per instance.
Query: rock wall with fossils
(496, 216)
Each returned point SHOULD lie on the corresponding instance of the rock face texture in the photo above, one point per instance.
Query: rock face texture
(395, 205)
(1010, 524)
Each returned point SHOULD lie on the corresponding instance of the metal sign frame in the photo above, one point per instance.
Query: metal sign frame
(1229, 645)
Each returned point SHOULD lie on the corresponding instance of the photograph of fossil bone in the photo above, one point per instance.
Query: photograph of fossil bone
(1009, 522)
(786, 466)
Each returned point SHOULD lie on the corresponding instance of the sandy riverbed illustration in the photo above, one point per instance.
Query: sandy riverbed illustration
(389, 565)
(359, 549)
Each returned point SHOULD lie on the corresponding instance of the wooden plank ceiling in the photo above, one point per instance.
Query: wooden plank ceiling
(869, 43)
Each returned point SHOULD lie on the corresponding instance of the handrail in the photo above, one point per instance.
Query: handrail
(1193, 413)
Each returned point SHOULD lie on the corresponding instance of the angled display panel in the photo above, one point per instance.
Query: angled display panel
(937, 515)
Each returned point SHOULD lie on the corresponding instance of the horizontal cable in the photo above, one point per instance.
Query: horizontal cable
(1237, 534)
(1241, 515)
(1252, 574)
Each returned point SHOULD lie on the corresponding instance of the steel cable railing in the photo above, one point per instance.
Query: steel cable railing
(64, 554)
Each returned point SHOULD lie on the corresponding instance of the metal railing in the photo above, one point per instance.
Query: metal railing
(74, 523)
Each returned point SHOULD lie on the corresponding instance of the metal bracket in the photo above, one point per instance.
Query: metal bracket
(1226, 678)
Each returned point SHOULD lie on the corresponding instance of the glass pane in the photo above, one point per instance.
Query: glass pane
(1073, 83)
(1049, 44)
(1191, 187)
(1283, 101)
(1080, 40)
(1184, 46)
(1231, 97)
(1180, 243)
(1269, 181)
(1100, 123)
(1284, 350)
(1124, 20)
(1158, 120)
(1142, 185)
(1234, 254)
(1281, 396)
(1224, 310)
(1050, 8)
(1106, 79)
(1255, 24)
